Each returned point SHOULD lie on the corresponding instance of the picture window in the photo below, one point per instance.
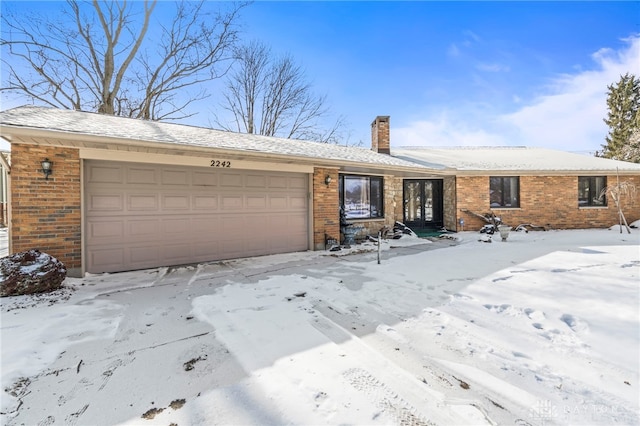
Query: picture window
(361, 197)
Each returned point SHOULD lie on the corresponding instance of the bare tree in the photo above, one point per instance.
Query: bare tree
(111, 57)
(271, 96)
(616, 193)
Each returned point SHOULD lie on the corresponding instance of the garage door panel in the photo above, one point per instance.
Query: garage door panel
(278, 182)
(175, 226)
(257, 225)
(298, 183)
(142, 202)
(278, 202)
(231, 202)
(298, 203)
(105, 202)
(230, 226)
(106, 229)
(279, 222)
(176, 202)
(257, 245)
(144, 255)
(109, 259)
(229, 180)
(205, 202)
(204, 250)
(142, 176)
(204, 179)
(142, 216)
(256, 202)
(106, 174)
(174, 177)
(143, 229)
(256, 181)
(231, 247)
(204, 227)
(177, 253)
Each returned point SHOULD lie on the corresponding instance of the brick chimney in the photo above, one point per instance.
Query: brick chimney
(380, 138)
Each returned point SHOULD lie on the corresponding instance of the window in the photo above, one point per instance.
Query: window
(589, 190)
(361, 196)
(504, 191)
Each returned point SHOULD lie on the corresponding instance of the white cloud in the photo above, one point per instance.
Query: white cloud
(567, 116)
(444, 130)
(493, 67)
(453, 50)
(471, 37)
(570, 116)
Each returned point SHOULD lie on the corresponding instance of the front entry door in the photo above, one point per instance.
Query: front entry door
(423, 203)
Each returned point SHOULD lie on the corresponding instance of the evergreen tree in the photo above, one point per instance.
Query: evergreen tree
(623, 119)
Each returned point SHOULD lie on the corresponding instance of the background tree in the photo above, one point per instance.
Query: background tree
(631, 151)
(623, 119)
(111, 57)
(270, 95)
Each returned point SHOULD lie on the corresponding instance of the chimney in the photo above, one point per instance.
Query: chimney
(380, 139)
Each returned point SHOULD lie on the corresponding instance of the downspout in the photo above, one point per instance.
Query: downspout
(7, 167)
(5, 163)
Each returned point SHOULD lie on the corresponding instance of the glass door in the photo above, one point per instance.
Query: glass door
(422, 202)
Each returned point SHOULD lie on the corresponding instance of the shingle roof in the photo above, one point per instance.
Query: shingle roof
(85, 123)
(506, 159)
(463, 159)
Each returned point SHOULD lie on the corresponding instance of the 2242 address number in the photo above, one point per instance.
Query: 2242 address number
(218, 163)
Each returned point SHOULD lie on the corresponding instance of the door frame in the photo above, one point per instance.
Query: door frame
(437, 204)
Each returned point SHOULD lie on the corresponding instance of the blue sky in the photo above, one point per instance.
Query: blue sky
(462, 73)
(458, 73)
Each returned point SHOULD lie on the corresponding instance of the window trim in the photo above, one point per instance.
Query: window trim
(592, 184)
(504, 179)
(371, 178)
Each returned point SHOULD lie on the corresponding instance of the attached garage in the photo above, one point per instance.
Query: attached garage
(125, 194)
(140, 215)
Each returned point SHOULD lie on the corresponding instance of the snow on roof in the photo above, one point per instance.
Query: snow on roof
(471, 159)
(505, 159)
(86, 123)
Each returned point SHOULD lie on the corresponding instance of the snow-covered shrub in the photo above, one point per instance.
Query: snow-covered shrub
(30, 272)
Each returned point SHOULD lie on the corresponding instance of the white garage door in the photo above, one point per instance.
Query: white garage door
(144, 215)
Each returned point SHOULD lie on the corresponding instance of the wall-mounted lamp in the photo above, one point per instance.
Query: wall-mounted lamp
(327, 180)
(47, 168)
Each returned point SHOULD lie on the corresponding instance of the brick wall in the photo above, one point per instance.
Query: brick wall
(550, 201)
(326, 213)
(46, 214)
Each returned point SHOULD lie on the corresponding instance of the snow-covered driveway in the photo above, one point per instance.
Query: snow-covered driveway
(542, 329)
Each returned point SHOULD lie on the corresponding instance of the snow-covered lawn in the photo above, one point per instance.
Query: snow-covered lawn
(541, 329)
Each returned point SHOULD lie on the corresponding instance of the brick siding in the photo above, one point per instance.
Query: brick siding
(550, 201)
(326, 214)
(46, 214)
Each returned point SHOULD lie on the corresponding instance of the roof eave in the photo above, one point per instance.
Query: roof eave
(39, 136)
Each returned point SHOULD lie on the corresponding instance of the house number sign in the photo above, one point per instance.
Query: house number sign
(218, 163)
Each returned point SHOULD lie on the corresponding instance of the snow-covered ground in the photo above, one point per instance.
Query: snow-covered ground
(541, 329)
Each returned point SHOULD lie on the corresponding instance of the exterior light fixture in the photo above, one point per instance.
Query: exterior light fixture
(47, 168)
(327, 180)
